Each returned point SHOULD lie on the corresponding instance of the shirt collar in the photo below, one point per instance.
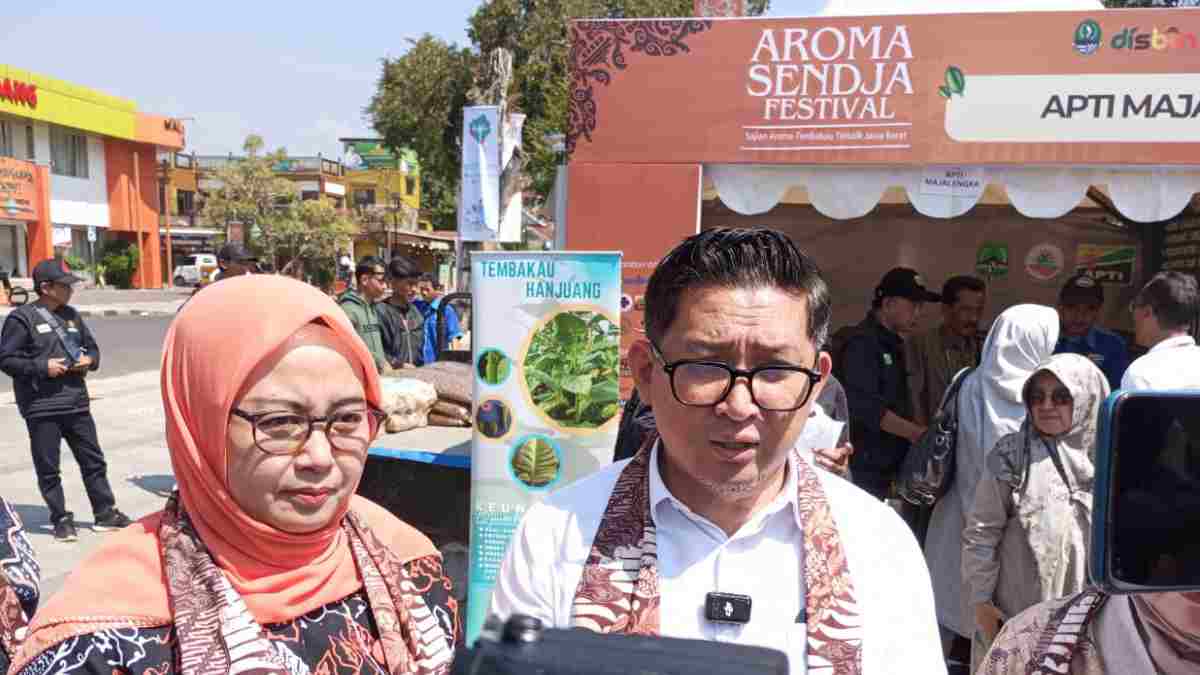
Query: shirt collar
(1177, 341)
(787, 498)
(1088, 340)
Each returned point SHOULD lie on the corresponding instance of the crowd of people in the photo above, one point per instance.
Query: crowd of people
(723, 519)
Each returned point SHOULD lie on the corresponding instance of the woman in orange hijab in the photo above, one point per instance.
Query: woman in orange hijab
(264, 561)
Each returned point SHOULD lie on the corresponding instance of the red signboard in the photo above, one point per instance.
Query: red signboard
(1075, 88)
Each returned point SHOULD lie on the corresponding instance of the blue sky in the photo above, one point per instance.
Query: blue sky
(299, 77)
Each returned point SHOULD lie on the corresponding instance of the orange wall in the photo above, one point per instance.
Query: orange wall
(133, 203)
(40, 242)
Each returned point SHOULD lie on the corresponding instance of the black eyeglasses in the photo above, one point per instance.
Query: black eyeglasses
(702, 384)
(1060, 396)
(286, 433)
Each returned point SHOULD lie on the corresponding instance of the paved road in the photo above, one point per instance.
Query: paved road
(127, 345)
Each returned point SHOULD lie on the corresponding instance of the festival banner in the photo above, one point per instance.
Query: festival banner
(545, 338)
(479, 206)
(1013, 88)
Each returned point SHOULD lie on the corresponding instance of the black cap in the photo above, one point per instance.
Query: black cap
(53, 270)
(236, 253)
(904, 282)
(1081, 289)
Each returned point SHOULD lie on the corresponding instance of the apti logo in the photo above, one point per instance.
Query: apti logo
(1154, 39)
(1087, 37)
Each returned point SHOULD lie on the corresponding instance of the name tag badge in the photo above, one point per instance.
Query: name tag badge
(43, 328)
(1096, 358)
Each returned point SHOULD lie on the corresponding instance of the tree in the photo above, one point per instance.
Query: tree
(419, 99)
(277, 222)
(418, 104)
(310, 230)
(251, 194)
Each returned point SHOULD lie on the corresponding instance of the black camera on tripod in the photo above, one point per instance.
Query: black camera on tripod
(521, 646)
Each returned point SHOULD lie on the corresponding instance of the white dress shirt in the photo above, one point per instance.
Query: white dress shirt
(764, 560)
(1173, 363)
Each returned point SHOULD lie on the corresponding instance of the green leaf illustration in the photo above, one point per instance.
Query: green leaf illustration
(944, 91)
(535, 463)
(956, 82)
(571, 368)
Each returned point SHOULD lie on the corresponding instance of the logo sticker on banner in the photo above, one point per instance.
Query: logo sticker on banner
(991, 260)
(1107, 263)
(1044, 262)
(546, 348)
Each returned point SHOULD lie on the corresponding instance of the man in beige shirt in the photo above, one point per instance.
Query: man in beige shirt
(935, 356)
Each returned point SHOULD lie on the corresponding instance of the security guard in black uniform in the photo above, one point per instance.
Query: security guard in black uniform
(48, 350)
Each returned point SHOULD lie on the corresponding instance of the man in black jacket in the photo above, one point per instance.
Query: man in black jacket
(48, 350)
(871, 366)
(401, 324)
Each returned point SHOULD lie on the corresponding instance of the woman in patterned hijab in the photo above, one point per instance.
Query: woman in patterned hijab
(265, 560)
(1027, 534)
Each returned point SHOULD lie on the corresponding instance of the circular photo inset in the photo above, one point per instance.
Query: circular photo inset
(536, 462)
(571, 369)
(626, 302)
(493, 366)
(493, 419)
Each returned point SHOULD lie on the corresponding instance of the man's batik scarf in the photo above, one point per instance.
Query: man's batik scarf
(619, 589)
(218, 635)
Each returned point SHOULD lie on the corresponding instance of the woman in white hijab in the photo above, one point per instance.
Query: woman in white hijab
(1027, 534)
(989, 407)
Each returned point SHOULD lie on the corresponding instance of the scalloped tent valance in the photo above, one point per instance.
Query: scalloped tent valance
(844, 192)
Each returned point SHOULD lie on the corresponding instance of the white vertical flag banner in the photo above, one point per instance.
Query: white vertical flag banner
(479, 209)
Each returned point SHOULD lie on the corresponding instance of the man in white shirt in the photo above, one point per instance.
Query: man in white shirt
(1163, 313)
(718, 529)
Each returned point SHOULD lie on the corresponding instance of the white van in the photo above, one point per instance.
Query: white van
(193, 269)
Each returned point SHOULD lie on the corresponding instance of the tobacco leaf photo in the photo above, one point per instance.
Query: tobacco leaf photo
(493, 367)
(571, 369)
(535, 463)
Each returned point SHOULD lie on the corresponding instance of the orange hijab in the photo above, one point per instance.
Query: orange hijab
(211, 348)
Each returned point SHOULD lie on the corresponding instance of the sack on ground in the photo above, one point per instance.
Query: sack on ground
(452, 380)
(436, 420)
(404, 395)
(452, 410)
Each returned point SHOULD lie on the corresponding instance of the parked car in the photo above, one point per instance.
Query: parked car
(193, 270)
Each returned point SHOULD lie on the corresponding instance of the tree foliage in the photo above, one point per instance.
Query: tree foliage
(419, 100)
(418, 104)
(269, 207)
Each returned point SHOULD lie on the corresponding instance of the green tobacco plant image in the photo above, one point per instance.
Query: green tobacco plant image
(493, 367)
(571, 369)
(535, 463)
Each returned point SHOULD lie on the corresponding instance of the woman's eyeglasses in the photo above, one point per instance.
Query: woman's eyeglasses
(286, 433)
(1061, 396)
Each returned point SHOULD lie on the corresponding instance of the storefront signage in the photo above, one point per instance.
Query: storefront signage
(1044, 262)
(16, 91)
(1111, 264)
(546, 393)
(1011, 88)
(18, 190)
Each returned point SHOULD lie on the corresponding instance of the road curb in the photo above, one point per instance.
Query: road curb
(93, 313)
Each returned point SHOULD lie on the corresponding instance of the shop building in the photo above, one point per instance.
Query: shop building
(77, 162)
(385, 194)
